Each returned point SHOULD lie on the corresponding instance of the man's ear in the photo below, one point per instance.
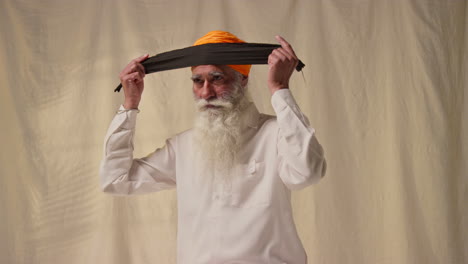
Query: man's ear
(245, 80)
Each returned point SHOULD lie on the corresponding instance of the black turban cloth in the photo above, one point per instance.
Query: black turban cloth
(211, 54)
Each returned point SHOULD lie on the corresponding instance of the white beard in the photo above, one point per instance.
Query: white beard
(217, 134)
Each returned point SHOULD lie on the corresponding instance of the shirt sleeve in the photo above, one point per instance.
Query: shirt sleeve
(301, 157)
(121, 174)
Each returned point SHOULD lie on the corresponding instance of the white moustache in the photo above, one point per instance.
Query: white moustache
(203, 104)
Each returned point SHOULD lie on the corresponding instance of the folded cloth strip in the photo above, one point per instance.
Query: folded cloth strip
(211, 54)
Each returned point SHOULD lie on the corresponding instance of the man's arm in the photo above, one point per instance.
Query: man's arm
(120, 173)
(301, 157)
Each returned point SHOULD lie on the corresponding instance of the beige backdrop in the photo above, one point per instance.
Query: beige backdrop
(385, 85)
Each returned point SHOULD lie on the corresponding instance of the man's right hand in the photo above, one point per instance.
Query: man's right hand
(131, 78)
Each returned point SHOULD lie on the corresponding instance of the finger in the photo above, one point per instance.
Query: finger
(141, 69)
(285, 45)
(136, 77)
(290, 59)
(141, 58)
(132, 77)
(284, 54)
(283, 57)
(133, 67)
(128, 69)
(137, 67)
(273, 58)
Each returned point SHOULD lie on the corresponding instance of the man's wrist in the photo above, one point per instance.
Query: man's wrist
(122, 109)
(130, 105)
(275, 89)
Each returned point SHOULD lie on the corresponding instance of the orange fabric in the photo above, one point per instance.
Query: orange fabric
(218, 36)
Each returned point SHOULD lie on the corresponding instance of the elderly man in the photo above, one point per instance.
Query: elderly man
(234, 171)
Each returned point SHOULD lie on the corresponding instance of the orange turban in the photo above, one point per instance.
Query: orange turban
(218, 36)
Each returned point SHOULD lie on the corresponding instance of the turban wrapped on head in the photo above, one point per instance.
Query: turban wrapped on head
(218, 36)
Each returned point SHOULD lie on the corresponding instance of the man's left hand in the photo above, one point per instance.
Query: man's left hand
(282, 62)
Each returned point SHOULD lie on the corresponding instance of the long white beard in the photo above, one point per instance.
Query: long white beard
(217, 134)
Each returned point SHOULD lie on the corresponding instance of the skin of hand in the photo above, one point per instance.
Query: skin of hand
(281, 62)
(131, 78)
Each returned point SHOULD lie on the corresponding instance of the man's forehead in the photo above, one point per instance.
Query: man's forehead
(209, 69)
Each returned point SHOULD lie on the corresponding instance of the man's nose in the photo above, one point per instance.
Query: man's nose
(207, 90)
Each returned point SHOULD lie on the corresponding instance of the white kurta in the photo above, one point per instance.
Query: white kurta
(247, 221)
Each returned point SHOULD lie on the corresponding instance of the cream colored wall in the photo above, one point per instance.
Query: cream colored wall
(384, 85)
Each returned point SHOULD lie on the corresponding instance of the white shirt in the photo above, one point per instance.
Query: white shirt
(247, 221)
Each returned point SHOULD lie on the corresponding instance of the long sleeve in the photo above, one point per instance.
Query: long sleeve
(121, 174)
(301, 157)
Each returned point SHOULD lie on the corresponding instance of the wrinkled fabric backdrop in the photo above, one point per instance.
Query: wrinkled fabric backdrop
(385, 86)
